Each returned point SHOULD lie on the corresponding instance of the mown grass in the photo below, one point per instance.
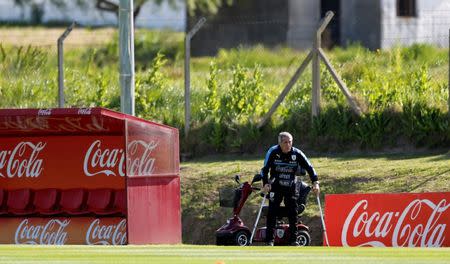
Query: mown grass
(218, 255)
(351, 173)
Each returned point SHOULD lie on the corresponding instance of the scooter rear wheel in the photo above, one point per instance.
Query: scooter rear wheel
(241, 238)
(303, 238)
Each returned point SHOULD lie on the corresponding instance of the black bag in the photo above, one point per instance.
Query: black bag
(229, 197)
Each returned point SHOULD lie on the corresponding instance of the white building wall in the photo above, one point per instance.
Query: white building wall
(150, 16)
(431, 25)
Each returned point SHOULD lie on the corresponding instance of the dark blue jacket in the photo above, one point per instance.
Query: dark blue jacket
(282, 166)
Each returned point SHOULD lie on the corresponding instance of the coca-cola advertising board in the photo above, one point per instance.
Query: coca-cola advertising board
(62, 162)
(388, 220)
(151, 150)
(63, 231)
(81, 161)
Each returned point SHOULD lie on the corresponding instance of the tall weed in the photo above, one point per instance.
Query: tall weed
(210, 106)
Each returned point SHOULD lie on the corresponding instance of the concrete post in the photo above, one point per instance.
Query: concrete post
(126, 54)
(315, 110)
(187, 75)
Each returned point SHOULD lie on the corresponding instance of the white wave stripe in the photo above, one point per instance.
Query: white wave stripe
(433, 205)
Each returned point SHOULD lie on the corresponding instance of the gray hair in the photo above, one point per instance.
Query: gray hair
(284, 135)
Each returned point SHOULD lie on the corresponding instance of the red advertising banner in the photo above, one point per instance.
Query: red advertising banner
(62, 231)
(388, 220)
(62, 162)
(83, 161)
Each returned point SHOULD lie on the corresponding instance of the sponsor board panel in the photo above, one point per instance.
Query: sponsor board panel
(388, 220)
(84, 161)
(152, 149)
(63, 231)
(62, 162)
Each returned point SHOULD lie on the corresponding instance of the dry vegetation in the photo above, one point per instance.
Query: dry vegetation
(40, 36)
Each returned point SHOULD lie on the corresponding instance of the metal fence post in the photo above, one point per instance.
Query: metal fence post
(187, 75)
(60, 64)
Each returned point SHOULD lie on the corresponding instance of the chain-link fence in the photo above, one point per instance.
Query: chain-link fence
(262, 37)
(238, 67)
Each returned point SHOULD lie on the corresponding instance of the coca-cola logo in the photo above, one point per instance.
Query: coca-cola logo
(99, 234)
(139, 161)
(51, 233)
(72, 124)
(22, 161)
(44, 112)
(53, 124)
(404, 228)
(24, 123)
(103, 161)
(84, 111)
(107, 161)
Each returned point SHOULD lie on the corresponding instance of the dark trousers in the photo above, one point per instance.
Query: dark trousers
(274, 211)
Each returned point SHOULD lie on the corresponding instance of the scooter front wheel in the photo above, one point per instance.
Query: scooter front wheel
(241, 238)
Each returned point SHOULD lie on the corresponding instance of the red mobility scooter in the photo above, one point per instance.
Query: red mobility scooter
(235, 232)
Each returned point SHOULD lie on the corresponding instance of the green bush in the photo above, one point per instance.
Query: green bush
(154, 98)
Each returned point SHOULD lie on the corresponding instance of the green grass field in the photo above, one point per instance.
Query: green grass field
(218, 255)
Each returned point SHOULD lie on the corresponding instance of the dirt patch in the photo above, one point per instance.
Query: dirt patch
(49, 36)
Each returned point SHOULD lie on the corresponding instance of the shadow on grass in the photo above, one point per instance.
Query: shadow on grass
(425, 180)
(440, 155)
(444, 156)
(227, 157)
(343, 185)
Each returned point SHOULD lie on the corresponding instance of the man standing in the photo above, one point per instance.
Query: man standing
(282, 161)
